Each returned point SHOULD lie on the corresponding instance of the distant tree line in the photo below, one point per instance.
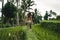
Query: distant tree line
(13, 15)
(50, 14)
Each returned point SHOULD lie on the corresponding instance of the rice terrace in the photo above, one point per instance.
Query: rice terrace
(29, 20)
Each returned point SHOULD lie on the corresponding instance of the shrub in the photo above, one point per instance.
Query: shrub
(58, 17)
(52, 25)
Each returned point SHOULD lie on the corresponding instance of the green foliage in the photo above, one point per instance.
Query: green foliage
(9, 10)
(53, 13)
(50, 14)
(40, 17)
(44, 34)
(52, 25)
(58, 18)
(6, 25)
(36, 18)
(52, 18)
(13, 33)
(26, 4)
(46, 16)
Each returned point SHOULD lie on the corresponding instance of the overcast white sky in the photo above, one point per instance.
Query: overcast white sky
(43, 5)
(48, 5)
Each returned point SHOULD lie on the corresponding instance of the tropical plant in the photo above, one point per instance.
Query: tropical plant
(26, 4)
(46, 16)
(35, 17)
(52, 13)
(9, 11)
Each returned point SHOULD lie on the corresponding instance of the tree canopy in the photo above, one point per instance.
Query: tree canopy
(9, 10)
(46, 16)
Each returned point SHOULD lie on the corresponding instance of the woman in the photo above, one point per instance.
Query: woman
(28, 20)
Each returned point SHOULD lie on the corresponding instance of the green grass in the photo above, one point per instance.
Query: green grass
(44, 34)
(52, 25)
(36, 33)
(31, 35)
(12, 33)
(57, 21)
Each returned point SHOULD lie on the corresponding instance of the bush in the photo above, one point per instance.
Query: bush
(58, 18)
(52, 25)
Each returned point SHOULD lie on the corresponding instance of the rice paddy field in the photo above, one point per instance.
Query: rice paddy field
(24, 33)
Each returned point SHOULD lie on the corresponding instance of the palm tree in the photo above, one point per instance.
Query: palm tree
(51, 12)
(25, 7)
(26, 4)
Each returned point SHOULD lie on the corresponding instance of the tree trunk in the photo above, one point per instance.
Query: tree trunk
(17, 15)
(2, 12)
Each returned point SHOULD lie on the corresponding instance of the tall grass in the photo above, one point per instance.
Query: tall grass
(44, 34)
(12, 33)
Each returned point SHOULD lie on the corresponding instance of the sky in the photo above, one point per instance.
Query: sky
(45, 5)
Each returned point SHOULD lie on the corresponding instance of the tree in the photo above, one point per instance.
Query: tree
(40, 17)
(46, 16)
(17, 15)
(26, 4)
(20, 15)
(2, 12)
(9, 11)
(35, 17)
(58, 17)
(52, 13)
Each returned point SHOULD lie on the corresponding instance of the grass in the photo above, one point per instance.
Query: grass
(31, 35)
(57, 21)
(44, 34)
(12, 33)
(24, 33)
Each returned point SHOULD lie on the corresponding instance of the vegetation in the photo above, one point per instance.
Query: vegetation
(14, 15)
(12, 33)
(58, 17)
(23, 33)
(52, 25)
(50, 14)
(26, 6)
(46, 16)
(9, 12)
(44, 34)
(35, 17)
